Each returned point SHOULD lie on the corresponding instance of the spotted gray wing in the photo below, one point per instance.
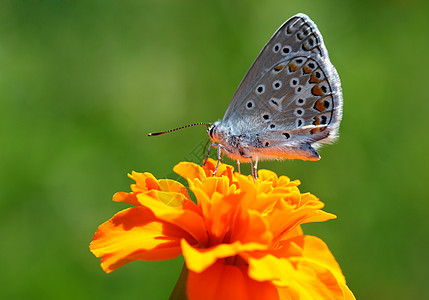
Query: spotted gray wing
(296, 97)
(298, 101)
(297, 34)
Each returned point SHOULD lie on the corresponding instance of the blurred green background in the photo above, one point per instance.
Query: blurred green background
(81, 85)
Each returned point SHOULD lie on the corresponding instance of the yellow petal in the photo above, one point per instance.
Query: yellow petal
(198, 259)
(189, 219)
(189, 171)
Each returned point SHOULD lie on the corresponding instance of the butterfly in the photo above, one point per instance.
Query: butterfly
(288, 104)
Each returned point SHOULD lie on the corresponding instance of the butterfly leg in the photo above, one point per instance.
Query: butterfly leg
(219, 157)
(238, 166)
(255, 169)
(208, 153)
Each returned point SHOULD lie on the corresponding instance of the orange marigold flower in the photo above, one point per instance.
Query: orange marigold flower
(241, 240)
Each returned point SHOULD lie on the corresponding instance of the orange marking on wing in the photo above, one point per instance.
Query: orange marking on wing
(319, 105)
(314, 79)
(306, 70)
(293, 67)
(316, 121)
(314, 130)
(279, 67)
(316, 90)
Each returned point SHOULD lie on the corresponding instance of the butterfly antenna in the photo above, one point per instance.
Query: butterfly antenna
(175, 129)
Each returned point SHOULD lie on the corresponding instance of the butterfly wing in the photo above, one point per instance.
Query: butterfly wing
(292, 92)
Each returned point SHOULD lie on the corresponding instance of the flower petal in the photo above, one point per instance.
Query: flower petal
(129, 198)
(144, 182)
(198, 259)
(222, 170)
(190, 170)
(305, 269)
(250, 226)
(133, 234)
(185, 215)
(228, 282)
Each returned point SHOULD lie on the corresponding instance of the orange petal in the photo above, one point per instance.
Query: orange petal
(168, 185)
(227, 282)
(144, 182)
(134, 234)
(189, 171)
(223, 169)
(251, 227)
(198, 259)
(319, 216)
(147, 183)
(315, 250)
(286, 215)
(189, 219)
(129, 198)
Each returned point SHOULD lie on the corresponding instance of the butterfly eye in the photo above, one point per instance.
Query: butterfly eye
(276, 47)
(211, 131)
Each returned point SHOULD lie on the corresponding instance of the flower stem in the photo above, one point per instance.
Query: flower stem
(179, 291)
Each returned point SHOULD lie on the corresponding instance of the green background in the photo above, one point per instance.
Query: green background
(81, 85)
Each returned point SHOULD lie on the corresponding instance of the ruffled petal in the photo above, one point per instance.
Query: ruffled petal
(130, 198)
(148, 184)
(183, 214)
(223, 169)
(228, 282)
(199, 259)
(133, 234)
(303, 269)
(144, 182)
(190, 171)
(241, 240)
(250, 226)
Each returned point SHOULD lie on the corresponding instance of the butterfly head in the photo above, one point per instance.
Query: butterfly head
(212, 132)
